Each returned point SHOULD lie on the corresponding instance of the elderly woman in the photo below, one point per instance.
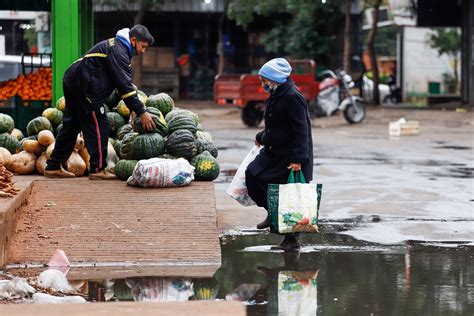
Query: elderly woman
(287, 141)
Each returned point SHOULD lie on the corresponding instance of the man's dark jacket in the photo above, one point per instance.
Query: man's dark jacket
(103, 68)
(286, 137)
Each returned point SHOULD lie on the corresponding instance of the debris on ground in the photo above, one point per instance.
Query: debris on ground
(6, 183)
(42, 298)
(56, 280)
(15, 288)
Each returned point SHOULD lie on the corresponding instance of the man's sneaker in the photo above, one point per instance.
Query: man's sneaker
(60, 173)
(102, 175)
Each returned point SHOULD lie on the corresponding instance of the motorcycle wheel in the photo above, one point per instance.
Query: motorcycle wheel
(251, 115)
(354, 114)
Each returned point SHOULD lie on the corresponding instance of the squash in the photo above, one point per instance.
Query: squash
(23, 163)
(38, 124)
(9, 142)
(161, 127)
(181, 144)
(6, 123)
(5, 157)
(126, 146)
(206, 167)
(161, 101)
(112, 158)
(45, 138)
(115, 122)
(53, 115)
(79, 143)
(76, 164)
(41, 163)
(49, 150)
(86, 157)
(124, 169)
(124, 130)
(17, 134)
(61, 104)
(33, 146)
(146, 146)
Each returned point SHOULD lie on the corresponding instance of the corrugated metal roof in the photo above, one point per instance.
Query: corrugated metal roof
(167, 6)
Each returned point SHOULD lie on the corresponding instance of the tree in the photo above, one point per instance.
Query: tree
(371, 46)
(448, 41)
(347, 36)
(301, 28)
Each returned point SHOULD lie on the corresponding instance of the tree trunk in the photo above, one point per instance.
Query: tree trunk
(456, 75)
(373, 55)
(347, 38)
(137, 76)
(220, 66)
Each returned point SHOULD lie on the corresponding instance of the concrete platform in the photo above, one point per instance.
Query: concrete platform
(107, 227)
(194, 308)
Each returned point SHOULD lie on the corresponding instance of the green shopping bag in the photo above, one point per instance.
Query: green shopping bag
(294, 207)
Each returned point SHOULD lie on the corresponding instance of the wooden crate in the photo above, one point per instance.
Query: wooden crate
(157, 81)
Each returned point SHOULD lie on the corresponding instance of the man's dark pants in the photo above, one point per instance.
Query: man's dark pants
(80, 115)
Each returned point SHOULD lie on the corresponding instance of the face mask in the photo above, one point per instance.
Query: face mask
(269, 88)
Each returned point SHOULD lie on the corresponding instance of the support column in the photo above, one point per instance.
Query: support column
(467, 58)
(72, 26)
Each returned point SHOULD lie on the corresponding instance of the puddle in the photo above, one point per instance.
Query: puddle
(453, 147)
(333, 274)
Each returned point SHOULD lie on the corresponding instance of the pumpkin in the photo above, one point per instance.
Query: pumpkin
(23, 163)
(142, 96)
(124, 168)
(6, 123)
(147, 146)
(17, 134)
(61, 104)
(41, 163)
(85, 156)
(45, 138)
(53, 115)
(205, 145)
(115, 122)
(19, 145)
(112, 141)
(161, 101)
(206, 167)
(76, 164)
(117, 146)
(126, 147)
(123, 130)
(112, 158)
(49, 150)
(161, 127)
(204, 135)
(33, 146)
(5, 157)
(123, 110)
(9, 142)
(181, 144)
(79, 143)
(181, 122)
(176, 112)
(37, 125)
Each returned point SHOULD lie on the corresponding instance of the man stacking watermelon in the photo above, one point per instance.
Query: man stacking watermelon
(87, 83)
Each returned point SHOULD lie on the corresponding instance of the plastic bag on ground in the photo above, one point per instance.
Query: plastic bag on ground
(237, 188)
(54, 279)
(42, 298)
(160, 173)
(16, 287)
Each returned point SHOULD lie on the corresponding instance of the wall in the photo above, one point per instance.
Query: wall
(421, 63)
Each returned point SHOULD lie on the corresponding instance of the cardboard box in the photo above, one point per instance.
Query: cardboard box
(402, 127)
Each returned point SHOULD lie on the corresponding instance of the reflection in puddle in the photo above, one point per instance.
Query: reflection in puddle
(333, 275)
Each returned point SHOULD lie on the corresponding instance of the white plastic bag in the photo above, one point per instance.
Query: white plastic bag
(160, 173)
(237, 188)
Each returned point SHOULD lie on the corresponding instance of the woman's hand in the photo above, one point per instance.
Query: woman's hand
(295, 166)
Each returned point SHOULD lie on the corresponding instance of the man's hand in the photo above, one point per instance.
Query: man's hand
(295, 166)
(147, 121)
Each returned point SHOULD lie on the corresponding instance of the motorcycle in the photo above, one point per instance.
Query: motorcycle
(335, 95)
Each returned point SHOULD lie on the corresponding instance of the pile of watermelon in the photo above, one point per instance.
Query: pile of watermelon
(178, 133)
